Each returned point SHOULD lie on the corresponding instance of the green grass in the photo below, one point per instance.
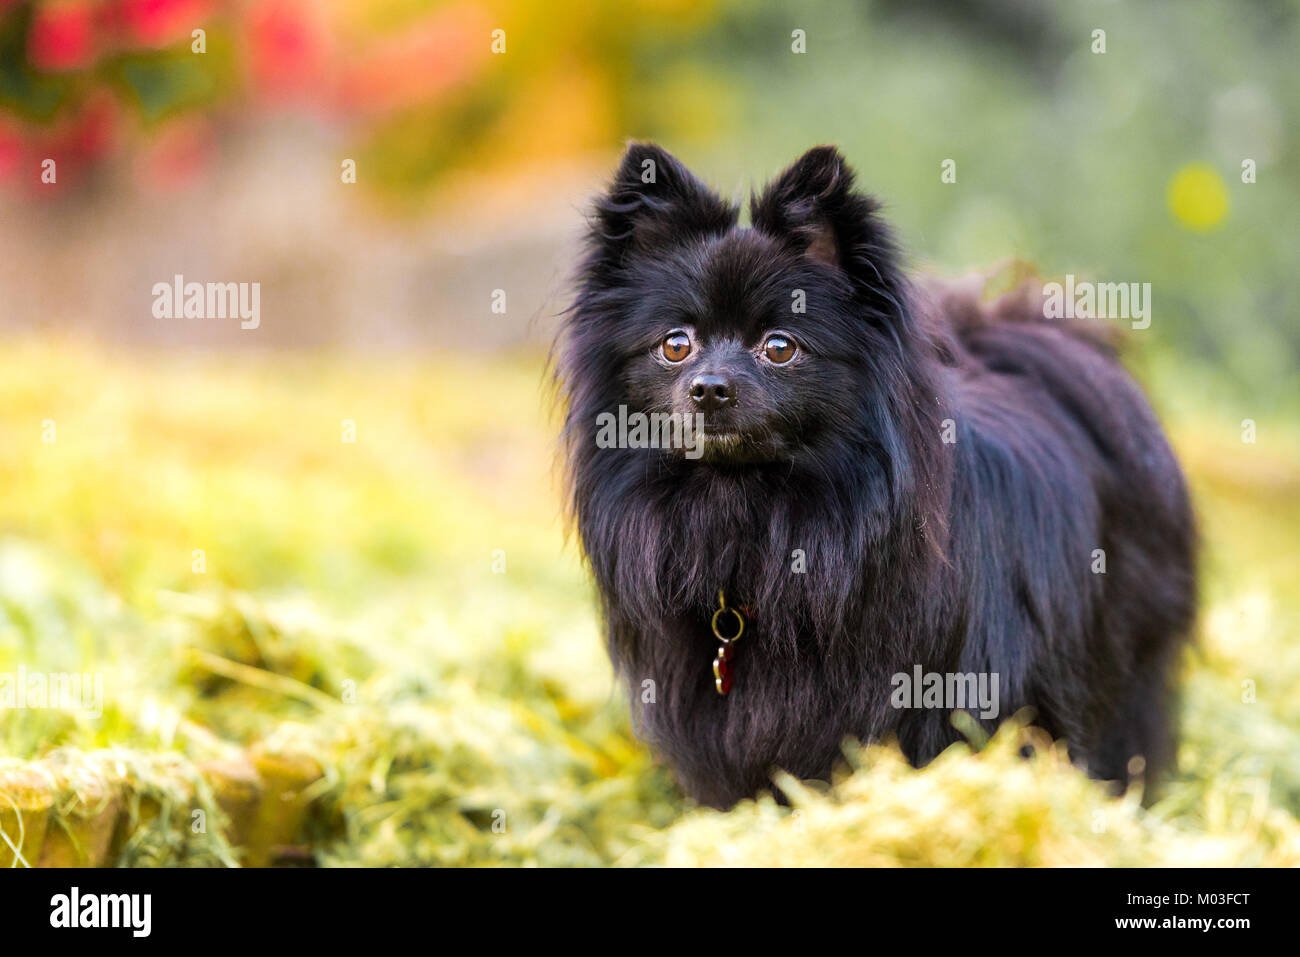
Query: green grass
(349, 615)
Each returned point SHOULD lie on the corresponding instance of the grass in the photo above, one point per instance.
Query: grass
(349, 642)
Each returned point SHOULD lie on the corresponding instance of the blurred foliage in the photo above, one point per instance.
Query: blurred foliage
(348, 611)
(424, 87)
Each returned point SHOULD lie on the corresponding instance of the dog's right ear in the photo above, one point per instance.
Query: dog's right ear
(653, 203)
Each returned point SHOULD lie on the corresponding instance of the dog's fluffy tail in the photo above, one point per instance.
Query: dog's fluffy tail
(955, 310)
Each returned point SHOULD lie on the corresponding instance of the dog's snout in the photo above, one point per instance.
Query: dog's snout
(713, 391)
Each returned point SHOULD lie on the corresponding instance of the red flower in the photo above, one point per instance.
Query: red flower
(157, 23)
(93, 132)
(11, 150)
(287, 48)
(62, 36)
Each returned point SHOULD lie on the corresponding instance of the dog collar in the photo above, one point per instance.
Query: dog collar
(722, 664)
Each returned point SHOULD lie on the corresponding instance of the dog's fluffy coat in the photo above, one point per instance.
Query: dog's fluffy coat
(973, 555)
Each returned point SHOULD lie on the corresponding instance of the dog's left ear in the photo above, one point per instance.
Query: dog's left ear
(813, 208)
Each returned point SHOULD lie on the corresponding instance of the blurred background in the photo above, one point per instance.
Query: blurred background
(472, 167)
(324, 557)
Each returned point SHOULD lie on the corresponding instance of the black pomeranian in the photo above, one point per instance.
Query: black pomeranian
(873, 495)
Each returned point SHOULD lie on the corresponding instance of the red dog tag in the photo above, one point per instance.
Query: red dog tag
(722, 663)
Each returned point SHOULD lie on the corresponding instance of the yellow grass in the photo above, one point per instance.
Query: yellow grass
(348, 615)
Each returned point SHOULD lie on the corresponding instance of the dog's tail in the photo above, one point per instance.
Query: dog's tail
(956, 310)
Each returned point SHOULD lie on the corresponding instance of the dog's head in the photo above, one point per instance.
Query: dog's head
(767, 335)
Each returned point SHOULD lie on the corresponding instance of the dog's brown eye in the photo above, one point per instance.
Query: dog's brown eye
(676, 346)
(779, 349)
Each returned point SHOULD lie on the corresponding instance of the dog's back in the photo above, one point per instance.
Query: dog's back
(1046, 418)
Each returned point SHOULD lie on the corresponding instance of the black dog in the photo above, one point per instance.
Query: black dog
(888, 483)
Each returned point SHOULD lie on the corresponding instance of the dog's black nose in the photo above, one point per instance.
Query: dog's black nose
(712, 392)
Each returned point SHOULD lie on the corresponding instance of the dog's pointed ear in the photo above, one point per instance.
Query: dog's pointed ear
(812, 207)
(653, 203)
